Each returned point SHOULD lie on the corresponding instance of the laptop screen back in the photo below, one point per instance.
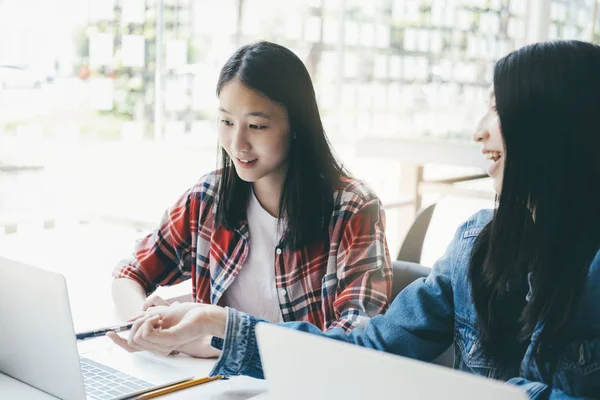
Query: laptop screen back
(37, 344)
(300, 366)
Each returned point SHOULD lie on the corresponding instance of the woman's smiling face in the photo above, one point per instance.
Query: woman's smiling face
(254, 131)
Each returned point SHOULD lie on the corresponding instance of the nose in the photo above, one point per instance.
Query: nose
(239, 141)
(481, 131)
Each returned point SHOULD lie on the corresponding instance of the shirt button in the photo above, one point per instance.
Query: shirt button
(283, 292)
(278, 251)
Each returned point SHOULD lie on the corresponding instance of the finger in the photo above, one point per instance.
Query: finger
(119, 341)
(154, 310)
(134, 329)
(175, 336)
(154, 301)
(146, 327)
(139, 316)
(150, 301)
(146, 330)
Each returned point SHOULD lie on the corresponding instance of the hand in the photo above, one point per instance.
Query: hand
(156, 306)
(186, 327)
(154, 301)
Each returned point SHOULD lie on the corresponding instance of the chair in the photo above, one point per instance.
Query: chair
(412, 245)
(406, 273)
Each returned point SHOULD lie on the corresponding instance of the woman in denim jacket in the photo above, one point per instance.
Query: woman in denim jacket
(518, 288)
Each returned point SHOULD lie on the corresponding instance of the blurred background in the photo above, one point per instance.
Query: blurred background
(108, 107)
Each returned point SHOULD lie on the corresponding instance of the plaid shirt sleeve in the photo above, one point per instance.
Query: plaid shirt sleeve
(364, 267)
(164, 257)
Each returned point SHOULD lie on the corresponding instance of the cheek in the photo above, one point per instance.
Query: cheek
(283, 149)
(278, 148)
(495, 128)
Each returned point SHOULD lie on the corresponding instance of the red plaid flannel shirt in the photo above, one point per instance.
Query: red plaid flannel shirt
(337, 285)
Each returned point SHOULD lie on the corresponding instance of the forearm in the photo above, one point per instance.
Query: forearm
(418, 325)
(128, 297)
(216, 321)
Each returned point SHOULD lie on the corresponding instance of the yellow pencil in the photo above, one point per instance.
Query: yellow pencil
(179, 386)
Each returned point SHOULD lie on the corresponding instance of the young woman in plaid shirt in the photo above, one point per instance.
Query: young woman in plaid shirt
(281, 231)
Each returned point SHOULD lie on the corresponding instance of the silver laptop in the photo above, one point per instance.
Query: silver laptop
(38, 345)
(301, 366)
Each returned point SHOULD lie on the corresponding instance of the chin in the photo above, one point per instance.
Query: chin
(247, 176)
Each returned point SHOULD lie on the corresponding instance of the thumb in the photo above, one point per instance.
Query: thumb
(118, 340)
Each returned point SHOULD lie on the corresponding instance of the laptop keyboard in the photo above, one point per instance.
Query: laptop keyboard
(102, 382)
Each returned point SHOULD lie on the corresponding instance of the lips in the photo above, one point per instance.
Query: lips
(493, 155)
(246, 163)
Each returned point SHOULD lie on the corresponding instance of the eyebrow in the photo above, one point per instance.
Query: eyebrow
(258, 114)
(250, 114)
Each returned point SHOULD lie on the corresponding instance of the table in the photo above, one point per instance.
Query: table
(89, 292)
(413, 154)
(237, 388)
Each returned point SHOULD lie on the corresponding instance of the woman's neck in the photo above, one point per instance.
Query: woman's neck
(268, 192)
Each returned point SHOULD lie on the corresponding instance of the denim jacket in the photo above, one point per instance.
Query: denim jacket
(432, 313)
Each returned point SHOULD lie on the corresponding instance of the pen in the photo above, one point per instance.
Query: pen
(176, 387)
(103, 331)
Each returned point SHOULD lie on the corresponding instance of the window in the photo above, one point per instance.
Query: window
(109, 107)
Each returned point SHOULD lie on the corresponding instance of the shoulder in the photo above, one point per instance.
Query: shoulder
(474, 225)
(456, 258)
(353, 194)
(462, 244)
(203, 194)
(206, 188)
(464, 239)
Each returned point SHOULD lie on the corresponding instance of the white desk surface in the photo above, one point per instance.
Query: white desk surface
(421, 151)
(89, 292)
(238, 388)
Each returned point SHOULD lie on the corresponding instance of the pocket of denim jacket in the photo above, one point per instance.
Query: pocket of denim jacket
(467, 340)
(579, 368)
(473, 232)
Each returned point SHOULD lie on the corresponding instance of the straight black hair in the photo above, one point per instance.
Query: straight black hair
(313, 171)
(545, 231)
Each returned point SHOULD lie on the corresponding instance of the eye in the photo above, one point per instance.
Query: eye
(226, 123)
(258, 127)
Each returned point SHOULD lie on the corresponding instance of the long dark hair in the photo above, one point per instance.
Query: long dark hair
(546, 226)
(313, 171)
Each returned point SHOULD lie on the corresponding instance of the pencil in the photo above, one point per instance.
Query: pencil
(179, 386)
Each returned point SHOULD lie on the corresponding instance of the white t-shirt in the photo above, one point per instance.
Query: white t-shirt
(253, 290)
